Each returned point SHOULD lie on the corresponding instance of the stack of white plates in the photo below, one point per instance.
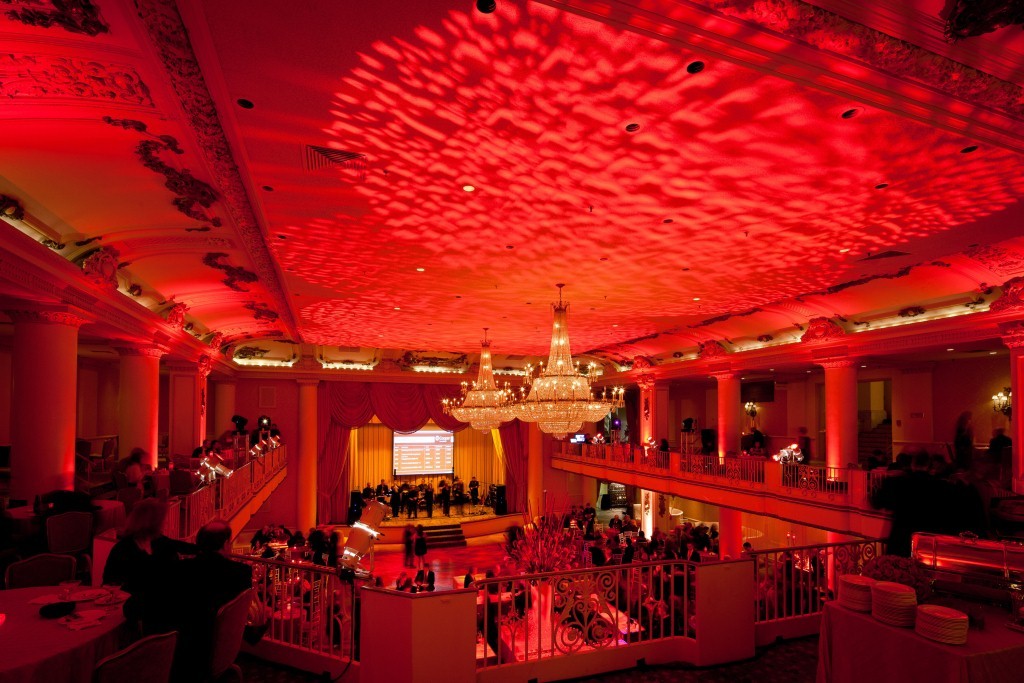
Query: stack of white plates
(942, 624)
(855, 592)
(893, 603)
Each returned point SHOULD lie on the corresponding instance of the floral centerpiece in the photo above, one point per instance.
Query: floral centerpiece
(543, 546)
(899, 570)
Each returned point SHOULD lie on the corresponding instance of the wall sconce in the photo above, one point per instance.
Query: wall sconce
(1003, 402)
(750, 408)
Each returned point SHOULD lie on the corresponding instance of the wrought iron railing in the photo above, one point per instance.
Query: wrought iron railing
(798, 581)
(812, 480)
(554, 614)
(223, 497)
(303, 606)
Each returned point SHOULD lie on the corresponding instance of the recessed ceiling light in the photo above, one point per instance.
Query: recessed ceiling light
(632, 127)
(684, 269)
(485, 6)
(969, 149)
(992, 353)
(268, 188)
(244, 103)
(282, 237)
(615, 324)
(458, 296)
(604, 258)
(949, 349)
(808, 372)
(667, 220)
(420, 270)
(468, 188)
(881, 186)
(771, 369)
(851, 113)
(694, 67)
(696, 298)
(397, 308)
(863, 366)
(843, 251)
(509, 246)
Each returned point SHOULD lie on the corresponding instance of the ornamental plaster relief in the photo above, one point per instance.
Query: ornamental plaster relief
(45, 77)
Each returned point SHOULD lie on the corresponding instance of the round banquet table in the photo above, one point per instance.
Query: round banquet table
(37, 650)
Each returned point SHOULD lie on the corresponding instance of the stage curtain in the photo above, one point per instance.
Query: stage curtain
(399, 406)
(433, 394)
(514, 443)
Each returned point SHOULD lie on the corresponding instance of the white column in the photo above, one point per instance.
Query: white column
(306, 493)
(43, 386)
(840, 412)
(728, 413)
(139, 401)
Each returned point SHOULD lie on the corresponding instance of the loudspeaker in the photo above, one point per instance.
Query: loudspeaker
(500, 500)
(355, 507)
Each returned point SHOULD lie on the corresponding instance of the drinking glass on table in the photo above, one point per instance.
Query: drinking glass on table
(67, 588)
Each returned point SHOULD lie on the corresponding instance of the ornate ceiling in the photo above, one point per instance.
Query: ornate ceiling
(716, 173)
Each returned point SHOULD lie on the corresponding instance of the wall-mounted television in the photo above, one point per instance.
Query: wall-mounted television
(757, 392)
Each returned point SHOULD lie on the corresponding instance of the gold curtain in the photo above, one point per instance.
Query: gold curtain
(371, 447)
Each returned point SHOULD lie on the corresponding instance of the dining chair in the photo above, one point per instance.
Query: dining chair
(147, 660)
(40, 570)
(227, 635)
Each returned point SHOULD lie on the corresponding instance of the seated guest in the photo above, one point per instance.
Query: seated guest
(144, 562)
(319, 545)
(430, 581)
(467, 581)
(203, 585)
(296, 540)
(403, 582)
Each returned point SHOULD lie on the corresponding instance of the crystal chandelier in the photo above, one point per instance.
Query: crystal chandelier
(484, 406)
(560, 399)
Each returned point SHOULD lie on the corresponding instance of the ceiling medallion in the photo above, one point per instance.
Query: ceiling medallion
(560, 398)
(484, 406)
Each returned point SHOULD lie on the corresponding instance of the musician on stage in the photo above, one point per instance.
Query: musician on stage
(474, 491)
(446, 498)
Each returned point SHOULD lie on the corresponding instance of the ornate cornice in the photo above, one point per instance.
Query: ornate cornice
(100, 267)
(822, 330)
(825, 30)
(176, 315)
(146, 351)
(11, 208)
(75, 16)
(48, 316)
(1012, 298)
(47, 77)
(1013, 334)
(170, 38)
(645, 382)
(708, 350)
(723, 375)
(829, 363)
(204, 365)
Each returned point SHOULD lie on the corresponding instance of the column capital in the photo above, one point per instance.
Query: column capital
(1012, 334)
(645, 382)
(723, 375)
(307, 381)
(204, 365)
(829, 363)
(49, 315)
(149, 351)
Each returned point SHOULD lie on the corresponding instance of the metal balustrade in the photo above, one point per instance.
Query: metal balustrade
(222, 498)
(797, 582)
(554, 614)
(303, 606)
(812, 481)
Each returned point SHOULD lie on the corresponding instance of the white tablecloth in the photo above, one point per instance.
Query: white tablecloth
(854, 648)
(37, 650)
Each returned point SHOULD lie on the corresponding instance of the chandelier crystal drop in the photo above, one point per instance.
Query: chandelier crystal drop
(560, 400)
(483, 405)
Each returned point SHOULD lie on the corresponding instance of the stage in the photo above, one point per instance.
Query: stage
(439, 518)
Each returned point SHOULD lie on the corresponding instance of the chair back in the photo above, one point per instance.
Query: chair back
(70, 532)
(227, 632)
(40, 570)
(108, 447)
(147, 660)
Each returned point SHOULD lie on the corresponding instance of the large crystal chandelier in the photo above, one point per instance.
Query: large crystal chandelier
(484, 406)
(560, 399)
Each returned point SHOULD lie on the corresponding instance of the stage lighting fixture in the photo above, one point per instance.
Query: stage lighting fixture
(485, 6)
(360, 540)
(264, 421)
(239, 423)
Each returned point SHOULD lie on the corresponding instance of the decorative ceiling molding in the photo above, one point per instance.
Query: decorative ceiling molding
(1012, 298)
(996, 259)
(828, 31)
(822, 330)
(46, 77)
(75, 16)
(233, 275)
(100, 267)
(170, 38)
(11, 208)
(711, 349)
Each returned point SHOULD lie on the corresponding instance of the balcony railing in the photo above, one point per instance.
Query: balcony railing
(828, 484)
(797, 582)
(304, 607)
(555, 614)
(224, 497)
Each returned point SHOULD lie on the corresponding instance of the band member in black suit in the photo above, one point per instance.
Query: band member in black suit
(368, 491)
(396, 501)
(428, 500)
(474, 491)
(412, 503)
(446, 499)
(382, 491)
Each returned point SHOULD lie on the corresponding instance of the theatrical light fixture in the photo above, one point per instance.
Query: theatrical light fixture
(264, 421)
(360, 539)
(790, 455)
(560, 398)
(1003, 402)
(483, 405)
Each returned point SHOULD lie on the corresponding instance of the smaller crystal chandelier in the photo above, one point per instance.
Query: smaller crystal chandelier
(484, 406)
(750, 408)
(1003, 402)
(560, 398)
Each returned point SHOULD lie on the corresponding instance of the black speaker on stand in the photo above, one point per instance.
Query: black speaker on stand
(500, 500)
(355, 507)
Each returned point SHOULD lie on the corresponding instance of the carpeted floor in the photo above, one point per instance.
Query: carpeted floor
(792, 661)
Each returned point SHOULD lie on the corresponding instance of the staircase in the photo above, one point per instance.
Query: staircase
(879, 438)
(445, 536)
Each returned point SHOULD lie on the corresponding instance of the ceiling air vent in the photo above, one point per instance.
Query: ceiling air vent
(320, 158)
(885, 254)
